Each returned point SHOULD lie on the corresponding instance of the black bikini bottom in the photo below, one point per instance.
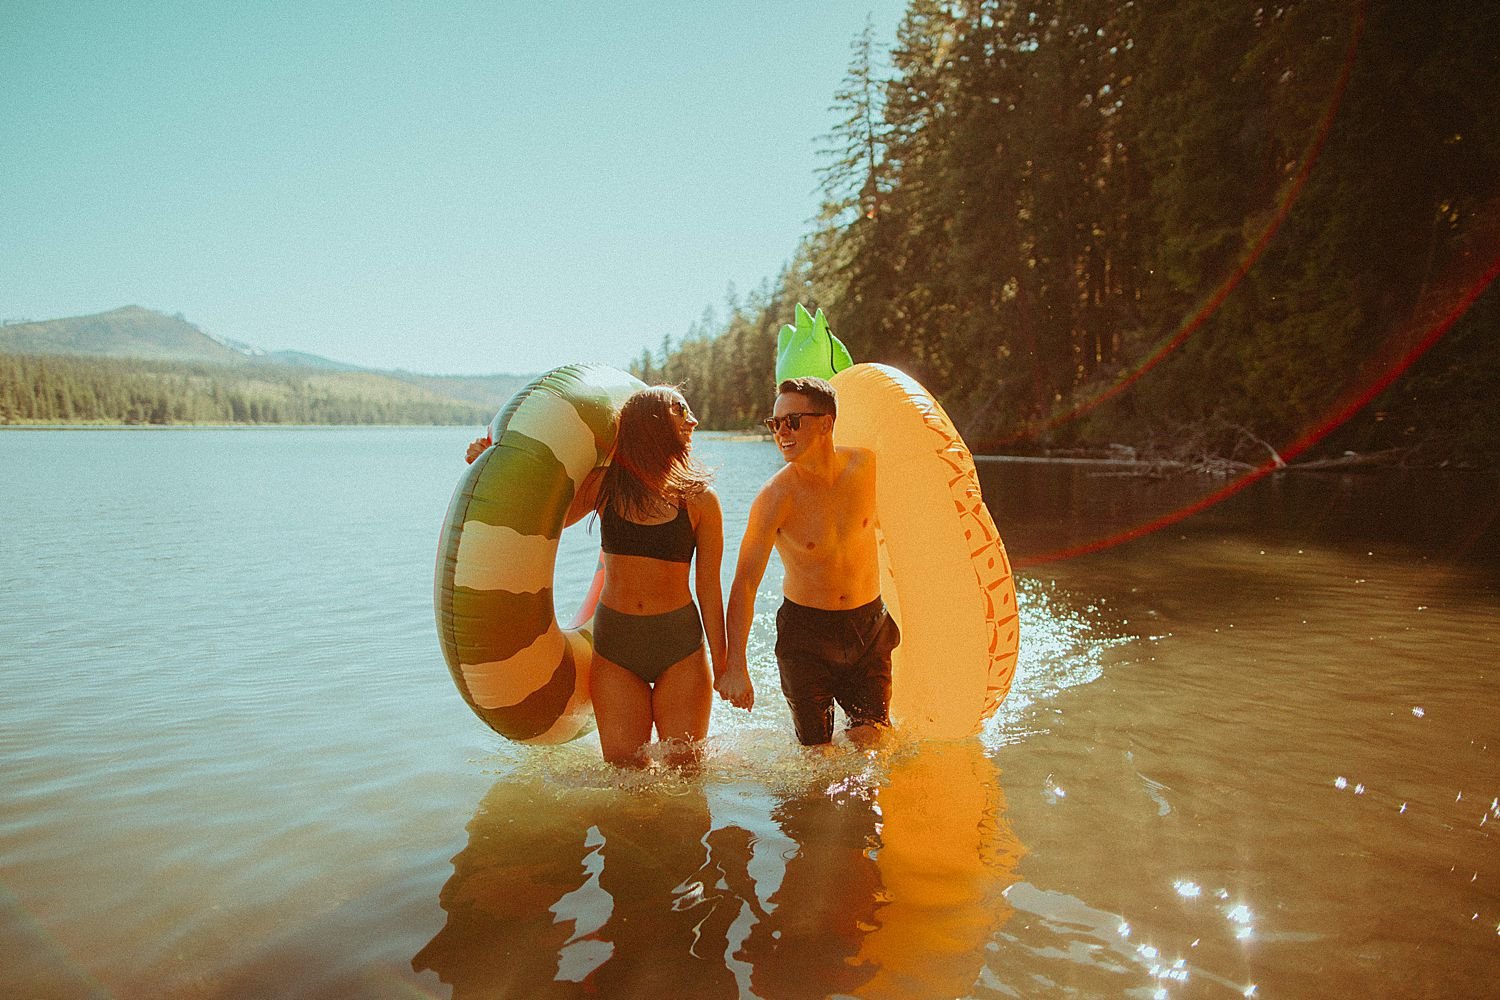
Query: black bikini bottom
(647, 645)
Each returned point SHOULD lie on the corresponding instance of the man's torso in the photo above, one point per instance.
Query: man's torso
(826, 537)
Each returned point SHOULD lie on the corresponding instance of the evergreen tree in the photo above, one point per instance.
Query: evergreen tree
(1080, 222)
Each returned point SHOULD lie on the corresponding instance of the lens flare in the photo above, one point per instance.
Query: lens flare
(1217, 297)
(1401, 351)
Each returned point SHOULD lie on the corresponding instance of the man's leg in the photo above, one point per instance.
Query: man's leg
(865, 693)
(803, 661)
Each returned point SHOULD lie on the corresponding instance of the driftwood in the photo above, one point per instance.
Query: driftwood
(1389, 458)
(1168, 467)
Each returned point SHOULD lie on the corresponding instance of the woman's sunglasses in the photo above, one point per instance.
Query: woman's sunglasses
(680, 408)
(793, 420)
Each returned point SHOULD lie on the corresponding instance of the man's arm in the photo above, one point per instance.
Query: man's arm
(476, 448)
(733, 682)
(868, 480)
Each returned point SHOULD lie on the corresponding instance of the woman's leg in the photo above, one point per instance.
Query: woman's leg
(681, 701)
(622, 708)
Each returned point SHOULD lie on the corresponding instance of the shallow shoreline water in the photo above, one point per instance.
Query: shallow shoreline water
(1252, 754)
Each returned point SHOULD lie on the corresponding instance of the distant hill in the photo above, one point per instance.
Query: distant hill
(135, 335)
(489, 391)
(301, 359)
(131, 332)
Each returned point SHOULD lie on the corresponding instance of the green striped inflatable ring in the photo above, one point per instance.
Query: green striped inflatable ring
(522, 673)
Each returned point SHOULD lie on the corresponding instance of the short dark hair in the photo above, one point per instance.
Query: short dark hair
(818, 390)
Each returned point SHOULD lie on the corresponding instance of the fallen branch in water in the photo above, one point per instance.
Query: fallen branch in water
(1276, 458)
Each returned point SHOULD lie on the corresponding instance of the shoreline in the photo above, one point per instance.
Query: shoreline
(1227, 468)
(210, 427)
(1119, 460)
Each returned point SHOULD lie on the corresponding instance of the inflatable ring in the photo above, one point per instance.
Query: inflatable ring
(523, 674)
(944, 572)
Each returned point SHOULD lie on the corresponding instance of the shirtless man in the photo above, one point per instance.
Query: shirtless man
(833, 635)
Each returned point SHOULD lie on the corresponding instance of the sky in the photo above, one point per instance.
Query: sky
(443, 187)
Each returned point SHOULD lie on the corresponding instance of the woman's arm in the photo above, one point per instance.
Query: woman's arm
(709, 533)
(586, 497)
(733, 681)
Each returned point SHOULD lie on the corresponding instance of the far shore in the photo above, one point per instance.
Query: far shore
(1110, 463)
(185, 426)
(1116, 460)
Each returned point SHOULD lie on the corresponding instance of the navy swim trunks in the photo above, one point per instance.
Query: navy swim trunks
(835, 656)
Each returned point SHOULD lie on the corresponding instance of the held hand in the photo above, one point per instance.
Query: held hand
(476, 448)
(734, 687)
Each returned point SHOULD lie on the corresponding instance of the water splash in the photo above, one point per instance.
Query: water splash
(1063, 646)
(1064, 642)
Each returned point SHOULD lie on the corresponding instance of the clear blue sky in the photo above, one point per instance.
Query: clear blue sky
(444, 187)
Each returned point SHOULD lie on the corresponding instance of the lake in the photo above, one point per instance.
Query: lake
(1253, 753)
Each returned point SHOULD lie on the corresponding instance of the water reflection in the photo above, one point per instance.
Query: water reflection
(1045, 507)
(878, 875)
(947, 857)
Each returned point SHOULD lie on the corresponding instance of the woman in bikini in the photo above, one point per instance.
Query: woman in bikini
(655, 507)
(656, 511)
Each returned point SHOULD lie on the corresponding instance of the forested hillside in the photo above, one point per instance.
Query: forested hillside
(139, 366)
(56, 388)
(1205, 226)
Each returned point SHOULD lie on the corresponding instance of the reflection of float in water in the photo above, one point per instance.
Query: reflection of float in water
(946, 857)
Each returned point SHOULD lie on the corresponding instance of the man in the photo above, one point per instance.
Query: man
(833, 635)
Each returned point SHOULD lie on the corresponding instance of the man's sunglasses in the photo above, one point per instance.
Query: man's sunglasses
(793, 420)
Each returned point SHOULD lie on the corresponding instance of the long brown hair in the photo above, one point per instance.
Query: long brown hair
(652, 471)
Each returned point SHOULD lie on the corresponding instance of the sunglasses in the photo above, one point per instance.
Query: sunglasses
(793, 420)
(680, 408)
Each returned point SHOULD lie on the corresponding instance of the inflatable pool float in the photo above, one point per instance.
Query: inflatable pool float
(944, 572)
(522, 673)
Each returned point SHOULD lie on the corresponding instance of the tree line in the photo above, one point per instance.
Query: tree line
(58, 388)
(1213, 225)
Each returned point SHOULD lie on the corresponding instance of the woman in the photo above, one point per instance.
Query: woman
(655, 509)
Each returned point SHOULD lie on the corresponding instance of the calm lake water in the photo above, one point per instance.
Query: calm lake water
(1256, 753)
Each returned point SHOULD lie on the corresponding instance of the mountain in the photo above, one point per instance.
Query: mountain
(147, 335)
(131, 332)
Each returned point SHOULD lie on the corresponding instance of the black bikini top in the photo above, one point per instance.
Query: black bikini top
(671, 541)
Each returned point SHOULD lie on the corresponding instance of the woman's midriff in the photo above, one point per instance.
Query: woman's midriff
(638, 585)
